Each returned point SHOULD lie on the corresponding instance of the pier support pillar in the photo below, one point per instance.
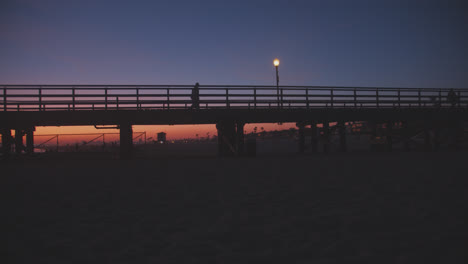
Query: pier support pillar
(227, 138)
(326, 136)
(301, 139)
(30, 140)
(373, 136)
(342, 132)
(389, 137)
(6, 142)
(220, 140)
(313, 137)
(405, 134)
(19, 141)
(126, 141)
(240, 139)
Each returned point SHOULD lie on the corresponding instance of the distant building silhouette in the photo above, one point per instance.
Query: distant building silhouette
(162, 137)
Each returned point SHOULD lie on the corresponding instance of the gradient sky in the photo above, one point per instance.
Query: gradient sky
(406, 43)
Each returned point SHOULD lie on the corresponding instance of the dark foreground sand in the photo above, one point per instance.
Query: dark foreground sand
(336, 208)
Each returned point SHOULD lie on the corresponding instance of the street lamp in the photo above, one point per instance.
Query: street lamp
(276, 62)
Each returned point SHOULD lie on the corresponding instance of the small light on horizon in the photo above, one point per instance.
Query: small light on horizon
(276, 62)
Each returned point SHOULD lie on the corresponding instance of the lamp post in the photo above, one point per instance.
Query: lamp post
(276, 62)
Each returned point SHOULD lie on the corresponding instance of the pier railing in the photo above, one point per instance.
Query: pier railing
(165, 97)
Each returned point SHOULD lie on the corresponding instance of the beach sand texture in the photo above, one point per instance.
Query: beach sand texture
(335, 208)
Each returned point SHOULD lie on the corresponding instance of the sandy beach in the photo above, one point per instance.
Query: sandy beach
(335, 208)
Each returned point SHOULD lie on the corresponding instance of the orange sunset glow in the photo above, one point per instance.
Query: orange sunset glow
(174, 132)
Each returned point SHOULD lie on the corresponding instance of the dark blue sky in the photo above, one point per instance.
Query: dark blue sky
(353, 43)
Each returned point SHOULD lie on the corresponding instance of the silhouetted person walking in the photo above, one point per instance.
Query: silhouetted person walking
(196, 97)
(452, 97)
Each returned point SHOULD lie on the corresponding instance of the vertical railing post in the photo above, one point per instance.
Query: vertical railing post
(168, 98)
(331, 96)
(227, 98)
(440, 98)
(105, 99)
(307, 98)
(419, 98)
(255, 98)
(117, 101)
(377, 97)
(73, 98)
(282, 99)
(355, 98)
(4, 99)
(459, 98)
(138, 98)
(40, 98)
(399, 99)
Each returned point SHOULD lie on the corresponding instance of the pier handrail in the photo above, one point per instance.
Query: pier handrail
(167, 97)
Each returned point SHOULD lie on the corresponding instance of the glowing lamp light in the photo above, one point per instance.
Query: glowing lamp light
(276, 62)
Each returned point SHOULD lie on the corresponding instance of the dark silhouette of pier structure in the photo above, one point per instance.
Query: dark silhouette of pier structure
(23, 107)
